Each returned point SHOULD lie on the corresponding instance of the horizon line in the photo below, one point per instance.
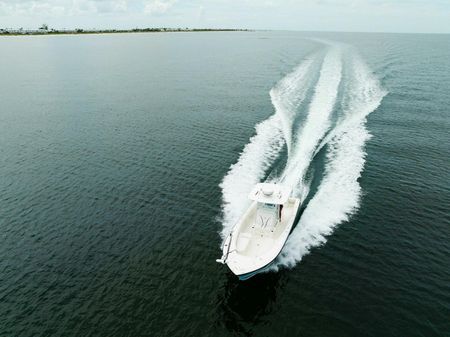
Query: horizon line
(40, 31)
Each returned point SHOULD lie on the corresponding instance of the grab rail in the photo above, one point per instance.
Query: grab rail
(224, 257)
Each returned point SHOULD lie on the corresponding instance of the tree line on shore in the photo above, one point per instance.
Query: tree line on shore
(44, 29)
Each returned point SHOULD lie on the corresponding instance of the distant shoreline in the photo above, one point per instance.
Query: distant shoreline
(20, 32)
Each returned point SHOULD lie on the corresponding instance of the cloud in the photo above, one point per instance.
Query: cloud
(157, 6)
(61, 7)
(201, 14)
(78, 7)
(116, 6)
(331, 15)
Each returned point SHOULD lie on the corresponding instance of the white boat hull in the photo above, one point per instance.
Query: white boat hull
(256, 240)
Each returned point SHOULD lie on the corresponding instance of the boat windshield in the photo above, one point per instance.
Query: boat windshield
(267, 207)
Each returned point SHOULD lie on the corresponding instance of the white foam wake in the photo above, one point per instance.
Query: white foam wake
(339, 192)
(287, 95)
(338, 195)
(317, 122)
(264, 147)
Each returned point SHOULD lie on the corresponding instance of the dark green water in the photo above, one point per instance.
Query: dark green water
(115, 187)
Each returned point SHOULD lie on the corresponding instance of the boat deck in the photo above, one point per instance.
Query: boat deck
(256, 237)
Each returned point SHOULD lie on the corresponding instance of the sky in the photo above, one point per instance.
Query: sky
(404, 16)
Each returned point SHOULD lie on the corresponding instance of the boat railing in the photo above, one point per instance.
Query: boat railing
(227, 244)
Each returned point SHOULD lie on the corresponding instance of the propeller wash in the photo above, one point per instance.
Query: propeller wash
(342, 93)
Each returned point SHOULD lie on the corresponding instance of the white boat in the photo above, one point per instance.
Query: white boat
(259, 236)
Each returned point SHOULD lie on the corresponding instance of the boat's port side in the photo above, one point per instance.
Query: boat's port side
(260, 234)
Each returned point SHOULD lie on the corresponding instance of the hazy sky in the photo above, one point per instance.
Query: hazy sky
(322, 15)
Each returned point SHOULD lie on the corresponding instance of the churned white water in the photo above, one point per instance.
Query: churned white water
(264, 147)
(356, 95)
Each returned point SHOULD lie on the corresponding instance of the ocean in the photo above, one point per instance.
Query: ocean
(125, 159)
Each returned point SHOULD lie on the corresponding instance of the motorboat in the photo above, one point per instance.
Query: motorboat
(260, 234)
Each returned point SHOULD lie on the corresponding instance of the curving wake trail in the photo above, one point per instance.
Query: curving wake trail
(348, 87)
(339, 193)
(265, 146)
(317, 122)
(287, 95)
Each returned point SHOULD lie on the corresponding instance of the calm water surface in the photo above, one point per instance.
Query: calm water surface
(113, 149)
